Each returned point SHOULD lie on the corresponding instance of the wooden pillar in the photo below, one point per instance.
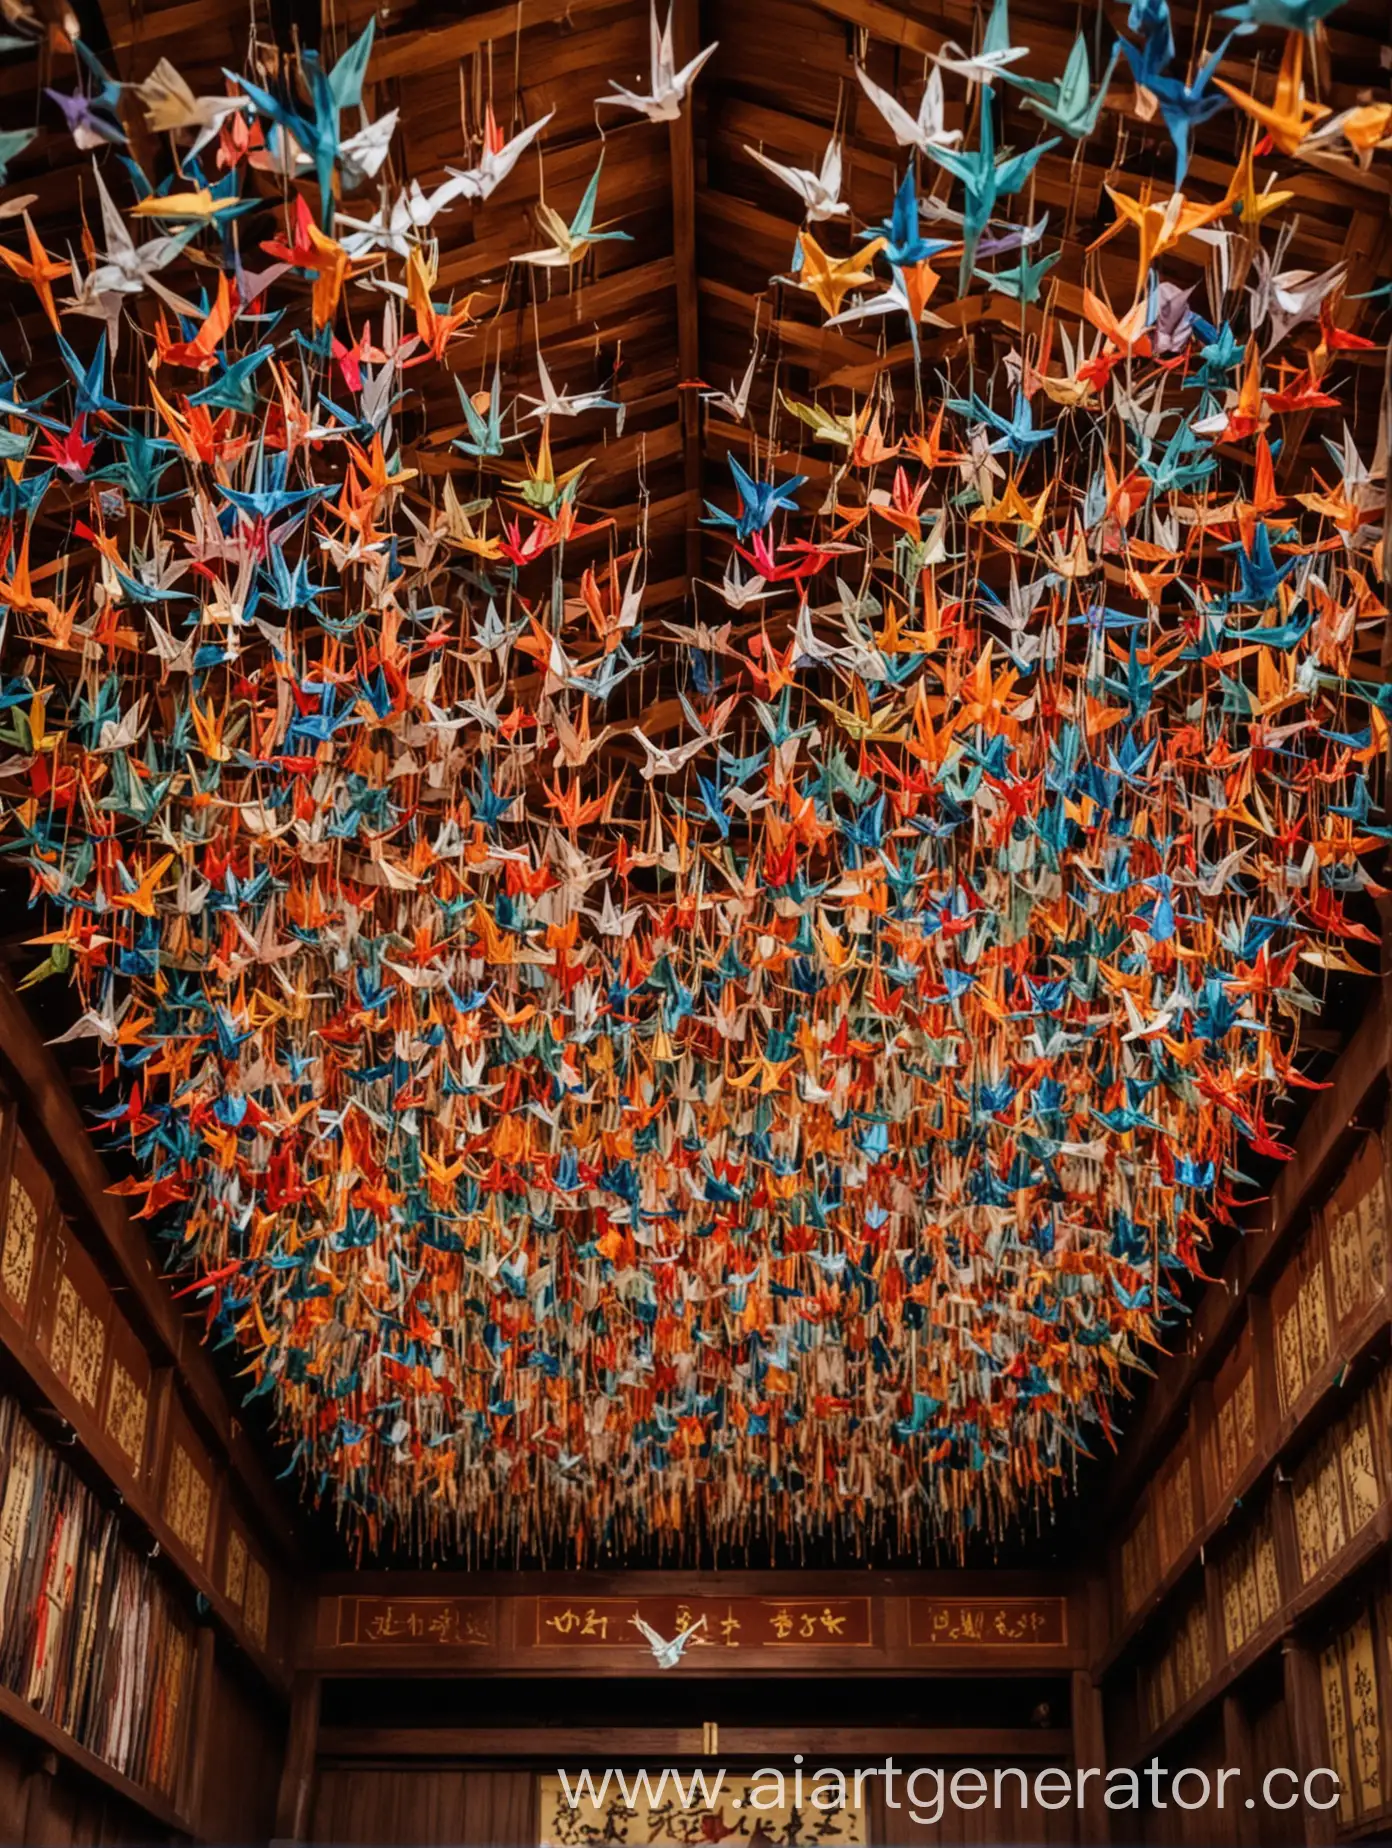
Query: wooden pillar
(1090, 1753)
(1241, 1824)
(201, 1738)
(297, 1772)
(1306, 1709)
(684, 20)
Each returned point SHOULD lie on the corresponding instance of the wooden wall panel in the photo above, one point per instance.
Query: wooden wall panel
(243, 1741)
(44, 1803)
(496, 1809)
(474, 1809)
(987, 1827)
(1274, 1744)
(1173, 1827)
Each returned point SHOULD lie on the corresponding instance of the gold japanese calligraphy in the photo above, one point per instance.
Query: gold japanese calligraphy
(1362, 1496)
(1183, 1668)
(1329, 1495)
(72, 1317)
(1314, 1317)
(1174, 1500)
(712, 1623)
(20, 1250)
(1365, 1722)
(1336, 1726)
(1353, 1718)
(1346, 1266)
(256, 1605)
(1290, 1360)
(813, 1810)
(234, 1571)
(89, 1350)
(127, 1408)
(188, 1500)
(405, 1623)
(1338, 1486)
(60, 1346)
(1249, 1583)
(985, 1623)
(1138, 1566)
(1234, 1436)
(1355, 1225)
(1309, 1530)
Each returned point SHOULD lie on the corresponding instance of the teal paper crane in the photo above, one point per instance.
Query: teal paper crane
(331, 92)
(1069, 104)
(985, 180)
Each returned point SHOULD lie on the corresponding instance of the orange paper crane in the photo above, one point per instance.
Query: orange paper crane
(36, 268)
(1288, 117)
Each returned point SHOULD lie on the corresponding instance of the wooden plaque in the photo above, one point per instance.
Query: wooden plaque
(188, 1485)
(126, 1408)
(373, 1622)
(988, 1623)
(73, 1322)
(28, 1213)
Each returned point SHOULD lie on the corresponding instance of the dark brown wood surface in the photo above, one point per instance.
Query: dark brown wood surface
(914, 1624)
(833, 1743)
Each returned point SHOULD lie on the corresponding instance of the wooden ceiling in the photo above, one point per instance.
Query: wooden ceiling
(709, 227)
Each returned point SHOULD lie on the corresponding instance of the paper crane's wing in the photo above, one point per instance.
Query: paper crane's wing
(897, 119)
(346, 77)
(663, 60)
(583, 221)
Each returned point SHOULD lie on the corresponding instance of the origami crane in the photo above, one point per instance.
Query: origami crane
(569, 242)
(985, 180)
(820, 192)
(756, 1073)
(669, 86)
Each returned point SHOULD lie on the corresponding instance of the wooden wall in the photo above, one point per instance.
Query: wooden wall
(983, 1828)
(228, 1780)
(1246, 1578)
(372, 1804)
(45, 1803)
(476, 1808)
(239, 1759)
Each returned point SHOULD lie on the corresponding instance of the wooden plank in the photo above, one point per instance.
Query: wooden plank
(670, 1744)
(402, 54)
(886, 22)
(685, 41)
(1237, 1751)
(297, 1771)
(201, 1743)
(1089, 1750)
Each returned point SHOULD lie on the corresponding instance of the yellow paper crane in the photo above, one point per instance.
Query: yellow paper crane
(831, 279)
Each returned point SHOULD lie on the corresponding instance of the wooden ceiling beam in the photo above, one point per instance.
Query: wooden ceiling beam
(890, 23)
(685, 26)
(408, 52)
